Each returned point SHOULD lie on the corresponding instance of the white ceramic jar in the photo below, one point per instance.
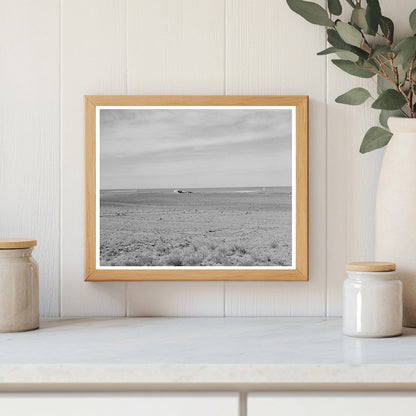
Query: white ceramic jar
(19, 286)
(373, 305)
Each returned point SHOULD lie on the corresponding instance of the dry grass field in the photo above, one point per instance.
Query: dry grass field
(208, 227)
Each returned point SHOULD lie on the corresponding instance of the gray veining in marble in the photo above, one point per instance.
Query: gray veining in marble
(203, 350)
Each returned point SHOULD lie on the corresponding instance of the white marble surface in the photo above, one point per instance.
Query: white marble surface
(203, 351)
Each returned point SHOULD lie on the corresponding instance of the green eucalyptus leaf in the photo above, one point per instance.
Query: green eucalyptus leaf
(412, 20)
(392, 76)
(389, 100)
(336, 41)
(373, 65)
(375, 138)
(389, 72)
(327, 51)
(347, 55)
(386, 114)
(334, 7)
(311, 12)
(381, 50)
(387, 27)
(356, 96)
(352, 68)
(349, 34)
(405, 50)
(358, 18)
(373, 15)
(360, 52)
(383, 84)
(350, 56)
(405, 43)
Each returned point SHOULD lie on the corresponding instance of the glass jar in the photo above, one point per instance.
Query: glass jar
(372, 300)
(19, 286)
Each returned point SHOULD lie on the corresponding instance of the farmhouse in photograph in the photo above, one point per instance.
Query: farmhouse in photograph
(180, 191)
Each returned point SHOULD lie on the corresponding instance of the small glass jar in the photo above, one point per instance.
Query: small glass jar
(19, 286)
(372, 300)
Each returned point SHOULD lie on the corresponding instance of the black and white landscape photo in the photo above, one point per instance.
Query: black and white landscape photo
(195, 187)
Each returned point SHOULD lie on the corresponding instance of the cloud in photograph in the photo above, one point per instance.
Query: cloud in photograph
(195, 148)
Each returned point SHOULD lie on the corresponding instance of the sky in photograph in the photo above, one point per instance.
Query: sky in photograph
(195, 148)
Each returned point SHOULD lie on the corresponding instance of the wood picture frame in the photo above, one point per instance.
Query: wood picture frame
(298, 105)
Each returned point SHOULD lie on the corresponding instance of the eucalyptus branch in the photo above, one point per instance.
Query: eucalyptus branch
(386, 37)
(395, 71)
(380, 64)
(412, 85)
(406, 97)
(366, 43)
(390, 66)
(366, 47)
(372, 71)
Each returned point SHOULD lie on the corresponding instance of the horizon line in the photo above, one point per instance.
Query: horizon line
(199, 187)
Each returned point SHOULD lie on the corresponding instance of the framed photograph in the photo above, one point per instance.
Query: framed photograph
(196, 188)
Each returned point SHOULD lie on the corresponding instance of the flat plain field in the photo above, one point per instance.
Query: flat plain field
(206, 227)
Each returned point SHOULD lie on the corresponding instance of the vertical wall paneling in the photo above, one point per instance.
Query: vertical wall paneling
(272, 51)
(55, 51)
(175, 299)
(93, 61)
(352, 177)
(175, 47)
(29, 134)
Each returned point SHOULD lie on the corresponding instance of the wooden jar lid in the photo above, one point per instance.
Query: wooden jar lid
(11, 243)
(371, 266)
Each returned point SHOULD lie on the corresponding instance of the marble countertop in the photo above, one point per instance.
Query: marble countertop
(204, 351)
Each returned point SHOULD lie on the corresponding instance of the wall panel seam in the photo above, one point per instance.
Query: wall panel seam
(60, 161)
(326, 180)
(225, 51)
(126, 54)
(326, 184)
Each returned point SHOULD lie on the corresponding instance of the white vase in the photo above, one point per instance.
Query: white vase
(396, 210)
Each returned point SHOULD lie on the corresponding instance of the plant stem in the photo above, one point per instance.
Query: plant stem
(366, 43)
(396, 83)
(412, 86)
(385, 75)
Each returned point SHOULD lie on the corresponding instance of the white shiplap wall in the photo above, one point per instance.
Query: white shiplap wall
(55, 51)
(93, 61)
(29, 134)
